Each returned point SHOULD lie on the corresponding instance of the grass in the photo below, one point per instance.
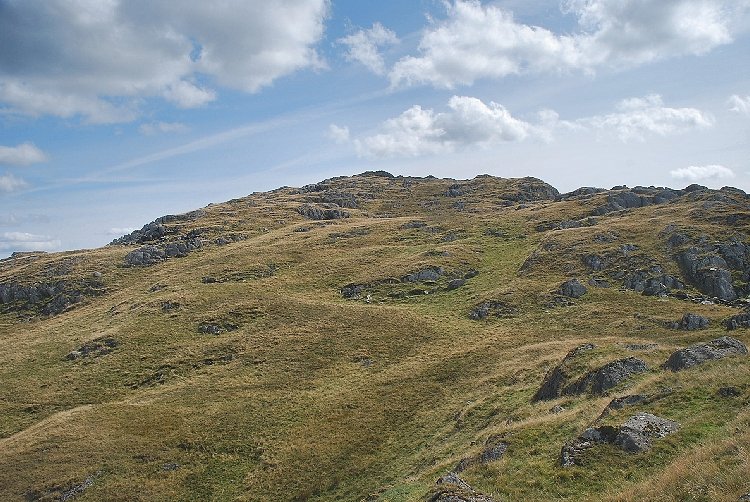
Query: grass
(315, 397)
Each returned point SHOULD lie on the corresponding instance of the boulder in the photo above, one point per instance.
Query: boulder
(494, 308)
(708, 272)
(690, 322)
(95, 348)
(455, 284)
(428, 274)
(572, 288)
(353, 291)
(600, 380)
(323, 212)
(702, 352)
(633, 436)
(557, 377)
(738, 321)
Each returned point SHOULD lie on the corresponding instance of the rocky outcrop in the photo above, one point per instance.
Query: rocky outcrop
(621, 198)
(48, 298)
(156, 230)
(708, 272)
(610, 375)
(322, 211)
(652, 282)
(690, 322)
(558, 377)
(95, 348)
(702, 352)
(451, 488)
(427, 274)
(492, 308)
(151, 255)
(572, 288)
(633, 436)
(738, 321)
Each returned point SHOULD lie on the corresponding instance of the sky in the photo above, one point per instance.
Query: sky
(115, 112)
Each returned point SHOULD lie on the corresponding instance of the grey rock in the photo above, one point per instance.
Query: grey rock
(608, 376)
(493, 453)
(594, 262)
(414, 224)
(455, 284)
(212, 329)
(95, 348)
(633, 436)
(556, 409)
(702, 352)
(690, 322)
(454, 191)
(492, 308)
(572, 288)
(326, 212)
(738, 321)
(729, 392)
(353, 291)
(708, 272)
(428, 274)
(619, 403)
(557, 377)
(598, 282)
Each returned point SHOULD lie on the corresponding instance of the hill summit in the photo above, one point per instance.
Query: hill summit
(389, 338)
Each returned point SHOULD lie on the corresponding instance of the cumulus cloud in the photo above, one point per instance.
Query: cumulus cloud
(469, 121)
(479, 41)
(419, 131)
(338, 134)
(23, 241)
(187, 95)
(98, 59)
(638, 117)
(21, 155)
(702, 173)
(118, 231)
(9, 183)
(151, 128)
(739, 104)
(363, 46)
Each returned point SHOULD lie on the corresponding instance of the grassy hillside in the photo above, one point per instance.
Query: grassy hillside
(289, 357)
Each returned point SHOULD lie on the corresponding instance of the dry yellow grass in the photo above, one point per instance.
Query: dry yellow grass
(316, 397)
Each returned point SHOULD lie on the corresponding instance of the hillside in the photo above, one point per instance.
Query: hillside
(388, 338)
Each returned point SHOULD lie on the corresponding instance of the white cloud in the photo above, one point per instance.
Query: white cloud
(363, 46)
(152, 128)
(478, 41)
(12, 219)
(21, 155)
(700, 173)
(9, 183)
(638, 117)
(739, 104)
(187, 95)
(421, 132)
(120, 231)
(23, 241)
(469, 121)
(99, 59)
(338, 134)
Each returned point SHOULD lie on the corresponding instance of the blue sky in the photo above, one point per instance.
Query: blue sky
(113, 113)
